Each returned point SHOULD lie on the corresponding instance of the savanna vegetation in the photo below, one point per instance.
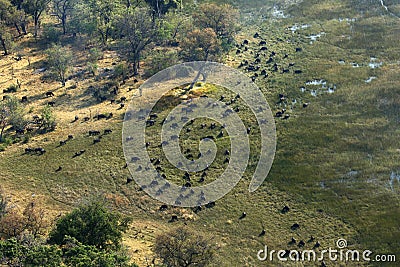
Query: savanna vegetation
(330, 73)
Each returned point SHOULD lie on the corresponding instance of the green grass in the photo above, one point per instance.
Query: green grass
(333, 161)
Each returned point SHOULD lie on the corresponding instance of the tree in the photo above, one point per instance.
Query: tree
(91, 224)
(35, 8)
(221, 18)
(48, 122)
(160, 7)
(36, 222)
(78, 254)
(12, 114)
(93, 58)
(59, 59)
(137, 31)
(42, 255)
(101, 13)
(31, 221)
(21, 19)
(15, 252)
(174, 25)
(6, 39)
(3, 203)
(6, 17)
(183, 248)
(12, 224)
(200, 45)
(63, 10)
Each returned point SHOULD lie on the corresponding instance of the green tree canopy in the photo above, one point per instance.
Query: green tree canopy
(137, 31)
(35, 8)
(91, 224)
(223, 19)
(59, 59)
(201, 45)
(12, 113)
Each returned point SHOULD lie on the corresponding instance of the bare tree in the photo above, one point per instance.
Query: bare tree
(63, 9)
(137, 31)
(35, 8)
(183, 248)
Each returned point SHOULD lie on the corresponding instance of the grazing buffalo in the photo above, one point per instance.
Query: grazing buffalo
(174, 218)
(295, 226)
(150, 122)
(210, 205)
(262, 233)
(135, 159)
(49, 94)
(317, 245)
(40, 150)
(285, 209)
(24, 99)
(243, 215)
(93, 133)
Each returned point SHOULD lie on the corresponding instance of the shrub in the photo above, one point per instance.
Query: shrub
(52, 34)
(13, 88)
(161, 60)
(48, 120)
(91, 224)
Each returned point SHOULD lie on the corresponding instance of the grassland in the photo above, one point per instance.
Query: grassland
(334, 158)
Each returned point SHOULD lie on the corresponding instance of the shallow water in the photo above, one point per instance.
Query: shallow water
(296, 27)
(316, 82)
(370, 79)
(277, 13)
(374, 65)
(314, 37)
(394, 177)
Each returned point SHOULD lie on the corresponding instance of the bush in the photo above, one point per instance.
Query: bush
(102, 93)
(48, 120)
(52, 34)
(161, 60)
(91, 224)
(121, 71)
(77, 254)
(13, 88)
